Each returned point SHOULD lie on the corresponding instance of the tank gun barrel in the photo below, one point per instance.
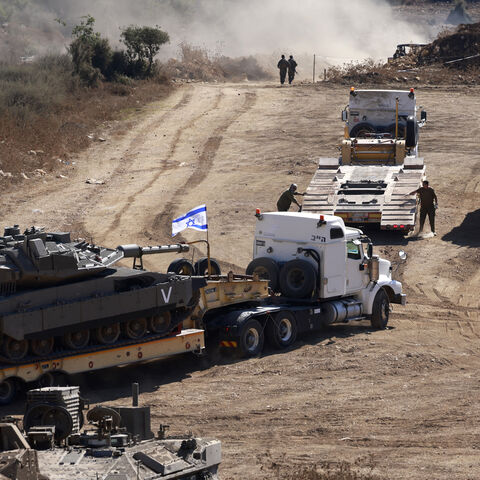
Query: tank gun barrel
(135, 251)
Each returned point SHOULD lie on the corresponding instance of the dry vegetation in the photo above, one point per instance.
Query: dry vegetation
(429, 65)
(45, 115)
(196, 63)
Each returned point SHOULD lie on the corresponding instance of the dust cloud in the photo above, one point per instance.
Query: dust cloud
(337, 31)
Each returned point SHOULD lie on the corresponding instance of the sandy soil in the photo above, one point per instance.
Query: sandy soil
(401, 403)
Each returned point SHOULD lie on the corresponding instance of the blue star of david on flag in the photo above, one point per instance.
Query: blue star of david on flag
(195, 218)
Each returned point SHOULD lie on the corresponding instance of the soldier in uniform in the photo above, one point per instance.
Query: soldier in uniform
(292, 66)
(287, 197)
(283, 66)
(428, 205)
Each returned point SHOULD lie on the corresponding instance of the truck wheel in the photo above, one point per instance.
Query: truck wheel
(380, 310)
(266, 269)
(362, 130)
(181, 266)
(8, 391)
(297, 279)
(201, 267)
(282, 330)
(250, 343)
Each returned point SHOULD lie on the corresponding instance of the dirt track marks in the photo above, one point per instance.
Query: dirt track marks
(94, 197)
(116, 223)
(205, 161)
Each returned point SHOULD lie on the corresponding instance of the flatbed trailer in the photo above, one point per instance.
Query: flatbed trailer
(378, 166)
(220, 292)
(234, 312)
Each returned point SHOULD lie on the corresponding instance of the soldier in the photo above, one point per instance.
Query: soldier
(292, 65)
(283, 66)
(428, 205)
(287, 197)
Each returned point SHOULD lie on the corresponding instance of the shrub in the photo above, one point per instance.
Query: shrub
(143, 43)
(91, 54)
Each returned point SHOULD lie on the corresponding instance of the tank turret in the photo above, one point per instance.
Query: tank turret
(37, 258)
(59, 295)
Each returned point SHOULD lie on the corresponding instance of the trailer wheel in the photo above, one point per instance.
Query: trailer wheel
(76, 340)
(297, 279)
(8, 391)
(266, 269)
(362, 130)
(282, 330)
(251, 340)
(107, 334)
(380, 310)
(201, 267)
(181, 266)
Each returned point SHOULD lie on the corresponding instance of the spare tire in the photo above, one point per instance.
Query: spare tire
(201, 267)
(362, 129)
(297, 279)
(411, 135)
(266, 269)
(181, 266)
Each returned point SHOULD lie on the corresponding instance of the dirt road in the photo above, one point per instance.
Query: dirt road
(402, 403)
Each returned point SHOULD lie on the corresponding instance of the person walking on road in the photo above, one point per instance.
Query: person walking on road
(428, 205)
(292, 69)
(283, 67)
(287, 197)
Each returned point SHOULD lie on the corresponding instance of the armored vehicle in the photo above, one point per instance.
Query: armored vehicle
(116, 444)
(59, 296)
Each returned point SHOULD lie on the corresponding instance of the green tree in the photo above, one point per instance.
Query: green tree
(143, 43)
(91, 54)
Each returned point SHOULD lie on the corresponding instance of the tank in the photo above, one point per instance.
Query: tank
(116, 443)
(59, 296)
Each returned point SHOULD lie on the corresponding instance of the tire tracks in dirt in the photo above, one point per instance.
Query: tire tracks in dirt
(127, 159)
(116, 222)
(205, 162)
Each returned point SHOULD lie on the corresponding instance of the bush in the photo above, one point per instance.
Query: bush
(143, 43)
(91, 54)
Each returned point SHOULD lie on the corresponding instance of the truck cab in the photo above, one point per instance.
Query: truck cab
(306, 255)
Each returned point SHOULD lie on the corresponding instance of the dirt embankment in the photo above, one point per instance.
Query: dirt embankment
(399, 404)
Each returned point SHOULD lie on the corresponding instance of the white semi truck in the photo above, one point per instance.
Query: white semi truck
(309, 270)
(378, 166)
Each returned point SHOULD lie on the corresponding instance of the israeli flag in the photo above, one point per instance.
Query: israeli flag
(196, 219)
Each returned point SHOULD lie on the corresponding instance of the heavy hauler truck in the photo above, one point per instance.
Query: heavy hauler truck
(378, 166)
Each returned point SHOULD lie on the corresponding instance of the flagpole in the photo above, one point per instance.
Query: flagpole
(209, 266)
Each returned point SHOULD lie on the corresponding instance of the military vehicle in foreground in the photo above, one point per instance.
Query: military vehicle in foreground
(59, 296)
(379, 163)
(116, 444)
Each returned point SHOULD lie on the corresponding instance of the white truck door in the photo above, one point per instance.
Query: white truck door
(355, 276)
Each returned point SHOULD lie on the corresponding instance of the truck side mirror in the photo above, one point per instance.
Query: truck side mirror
(402, 254)
(344, 115)
(423, 116)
